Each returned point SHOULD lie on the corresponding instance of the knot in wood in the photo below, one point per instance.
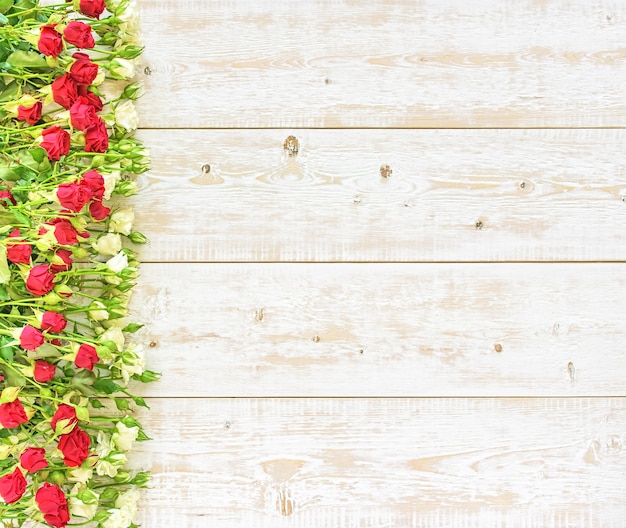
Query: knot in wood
(291, 145)
(385, 171)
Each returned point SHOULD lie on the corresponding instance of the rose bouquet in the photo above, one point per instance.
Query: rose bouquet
(67, 268)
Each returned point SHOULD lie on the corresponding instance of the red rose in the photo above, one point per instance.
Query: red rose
(44, 371)
(53, 504)
(86, 357)
(64, 255)
(75, 447)
(64, 231)
(92, 8)
(53, 322)
(12, 414)
(40, 280)
(82, 114)
(6, 198)
(16, 252)
(91, 97)
(50, 41)
(94, 180)
(56, 141)
(30, 114)
(73, 196)
(79, 34)
(83, 71)
(98, 211)
(96, 137)
(34, 459)
(64, 91)
(64, 412)
(31, 338)
(12, 486)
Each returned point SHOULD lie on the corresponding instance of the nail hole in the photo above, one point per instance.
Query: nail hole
(291, 145)
(258, 315)
(357, 199)
(206, 168)
(498, 347)
(385, 171)
(326, 81)
(522, 185)
(147, 70)
(226, 425)
(571, 370)
(479, 224)
(361, 351)
(152, 344)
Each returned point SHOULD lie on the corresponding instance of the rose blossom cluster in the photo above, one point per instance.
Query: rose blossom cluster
(66, 268)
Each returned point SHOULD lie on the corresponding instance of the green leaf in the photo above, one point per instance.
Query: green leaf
(96, 404)
(4, 294)
(10, 92)
(26, 59)
(5, 5)
(21, 217)
(5, 272)
(3, 20)
(132, 328)
(8, 174)
(7, 353)
(107, 386)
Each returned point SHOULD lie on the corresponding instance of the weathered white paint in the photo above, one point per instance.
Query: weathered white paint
(406, 63)
(384, 329)
(538, 194)
(454, 463)
(445, 327)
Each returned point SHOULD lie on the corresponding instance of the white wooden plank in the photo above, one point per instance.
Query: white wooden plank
(384, 329)
(453, 463)
(402, 63)
(539, 195)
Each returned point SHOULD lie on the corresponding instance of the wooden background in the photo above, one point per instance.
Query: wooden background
(441, 347)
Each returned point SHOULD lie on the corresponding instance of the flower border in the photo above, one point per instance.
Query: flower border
(67, 268)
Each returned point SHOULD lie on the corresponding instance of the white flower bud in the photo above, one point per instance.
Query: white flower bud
(118, 263)
(126, 115)
(122, 221)
(108, 244)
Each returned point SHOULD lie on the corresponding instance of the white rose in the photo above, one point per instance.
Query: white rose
(122, 221)
(126, 115)
(127, 501)
(118, 519)
(133, 362)
(114, 334)
(118, 263)
(80, 474)
(123, 68)
(124, 436)
(78, 508)
(110, 181)
(104, 467)
(98, 311)
(108, 244)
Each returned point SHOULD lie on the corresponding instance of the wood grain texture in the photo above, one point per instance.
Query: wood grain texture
(403, 63)
(540, 195)
(384, 329)
(454, 463)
